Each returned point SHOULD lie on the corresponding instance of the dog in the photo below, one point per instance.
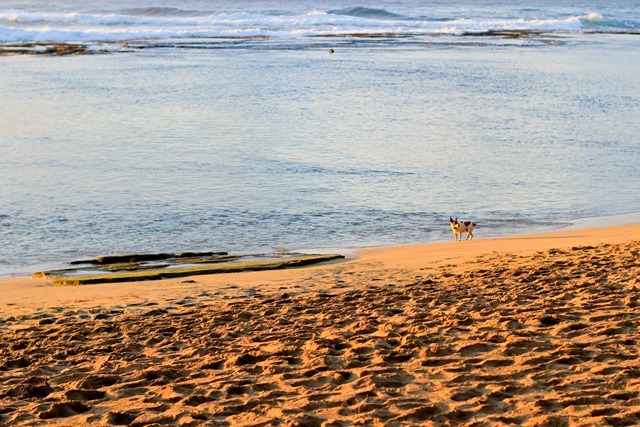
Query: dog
(461, 227)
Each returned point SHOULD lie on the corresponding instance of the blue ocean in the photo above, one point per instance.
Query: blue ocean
(263, 126)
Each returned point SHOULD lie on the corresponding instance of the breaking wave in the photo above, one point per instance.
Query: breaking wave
(161, 11)
(596, 20)
(167, 23)
(365, 12)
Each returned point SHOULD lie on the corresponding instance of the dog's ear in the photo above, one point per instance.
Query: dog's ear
(450, 219)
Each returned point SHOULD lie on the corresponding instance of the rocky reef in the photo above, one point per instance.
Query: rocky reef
(44, 48)
(140, 267)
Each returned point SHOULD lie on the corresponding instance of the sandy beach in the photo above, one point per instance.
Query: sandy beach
(531, 330)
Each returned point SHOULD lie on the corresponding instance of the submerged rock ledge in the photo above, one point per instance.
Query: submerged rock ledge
(45, 48)
(142, 267)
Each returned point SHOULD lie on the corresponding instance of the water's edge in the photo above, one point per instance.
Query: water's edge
(351, 253)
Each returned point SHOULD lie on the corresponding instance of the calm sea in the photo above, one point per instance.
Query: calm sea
(257, 126)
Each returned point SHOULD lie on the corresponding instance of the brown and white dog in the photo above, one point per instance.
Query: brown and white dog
(461, 227)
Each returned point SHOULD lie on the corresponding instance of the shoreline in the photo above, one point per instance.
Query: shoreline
(579, 224)
(605, 221)
(27, 293)
(353, 252)
(531, 330)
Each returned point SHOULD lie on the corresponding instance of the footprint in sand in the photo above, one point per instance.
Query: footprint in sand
(35, 389)
(121, 418)
(81, 395)
(473, 349)
(94, 382)
(64, 410)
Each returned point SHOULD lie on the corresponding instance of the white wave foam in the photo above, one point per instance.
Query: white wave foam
(596, 20)
(26, 26)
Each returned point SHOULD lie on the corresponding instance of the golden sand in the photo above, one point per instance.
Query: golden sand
(524, 330)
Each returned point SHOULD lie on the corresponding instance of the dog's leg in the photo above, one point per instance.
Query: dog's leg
(469, 235)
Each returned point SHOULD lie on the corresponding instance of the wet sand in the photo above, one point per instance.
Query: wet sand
(522, 330)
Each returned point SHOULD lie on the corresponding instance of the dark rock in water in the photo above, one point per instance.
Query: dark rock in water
(46, 48)
(132, 258)
(507, 34)
(139, 267)
(200, 254)
(65, 49)
(82, 261)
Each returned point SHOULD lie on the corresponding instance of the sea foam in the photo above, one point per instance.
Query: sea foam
(159, 23)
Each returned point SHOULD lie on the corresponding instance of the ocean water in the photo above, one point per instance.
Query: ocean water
(200, 125)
